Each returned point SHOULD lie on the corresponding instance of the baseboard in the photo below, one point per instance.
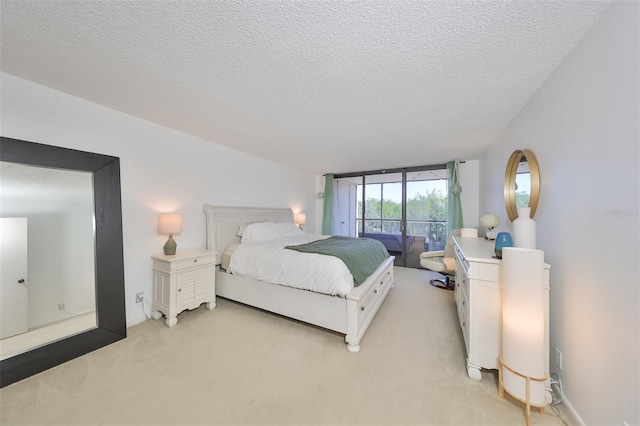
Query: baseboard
(131, 321)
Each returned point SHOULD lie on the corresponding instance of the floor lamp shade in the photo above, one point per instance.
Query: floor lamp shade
(523, 324)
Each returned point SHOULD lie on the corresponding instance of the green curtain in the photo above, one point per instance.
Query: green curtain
(327, 211)
(454, 206)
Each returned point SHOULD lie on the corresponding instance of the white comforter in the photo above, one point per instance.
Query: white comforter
(269, 261)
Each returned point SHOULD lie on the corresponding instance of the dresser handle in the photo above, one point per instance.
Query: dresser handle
(179, 290)
(362, 308)
(375, 291)
(464, 325)
(464, 303)
(195, 260)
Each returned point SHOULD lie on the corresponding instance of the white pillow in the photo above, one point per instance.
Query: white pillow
(289, 230)
(261, 231)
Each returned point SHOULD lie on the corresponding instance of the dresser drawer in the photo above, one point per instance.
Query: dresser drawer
(464, 284)
(464, 326)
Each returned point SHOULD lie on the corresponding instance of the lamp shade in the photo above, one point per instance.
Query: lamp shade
(300, 218)
(169, 223)
(490, 220)
(523, 322)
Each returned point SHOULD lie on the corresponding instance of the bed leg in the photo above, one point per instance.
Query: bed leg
(353, 348)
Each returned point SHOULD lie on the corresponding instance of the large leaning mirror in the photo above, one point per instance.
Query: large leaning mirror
(521, 183)
(65, 296)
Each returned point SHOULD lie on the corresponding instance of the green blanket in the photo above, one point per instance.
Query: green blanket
(361, 255)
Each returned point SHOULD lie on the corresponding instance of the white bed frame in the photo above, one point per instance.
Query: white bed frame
(350, 315)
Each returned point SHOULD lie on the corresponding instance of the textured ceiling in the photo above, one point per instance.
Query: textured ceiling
(324, 86)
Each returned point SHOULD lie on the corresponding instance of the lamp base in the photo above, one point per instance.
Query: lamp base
(527, 400)
(170, 246)
(490, 235)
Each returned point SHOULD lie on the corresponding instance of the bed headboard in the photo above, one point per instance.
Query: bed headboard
(223, 223)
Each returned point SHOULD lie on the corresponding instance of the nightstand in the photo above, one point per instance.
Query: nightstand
(182, 281)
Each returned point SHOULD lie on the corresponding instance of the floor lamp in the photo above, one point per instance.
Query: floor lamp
(522, 370)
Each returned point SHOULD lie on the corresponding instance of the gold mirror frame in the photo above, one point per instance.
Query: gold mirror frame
(510, 182)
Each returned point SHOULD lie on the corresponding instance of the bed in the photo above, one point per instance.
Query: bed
(350, 314)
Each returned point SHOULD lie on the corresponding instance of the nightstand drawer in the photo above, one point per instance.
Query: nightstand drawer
(180, 265)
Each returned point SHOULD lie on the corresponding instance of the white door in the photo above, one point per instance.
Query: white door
(343, 208)
(13, 276)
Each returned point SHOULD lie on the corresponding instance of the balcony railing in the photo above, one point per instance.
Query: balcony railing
(434, 231)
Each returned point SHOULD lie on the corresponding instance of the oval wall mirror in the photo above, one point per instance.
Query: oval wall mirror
(521, 183)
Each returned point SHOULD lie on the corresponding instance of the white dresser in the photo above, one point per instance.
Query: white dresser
(182, 281)
(478, 299)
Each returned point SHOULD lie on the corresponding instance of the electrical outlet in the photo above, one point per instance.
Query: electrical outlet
(559, 358)
(139, 297)
(61, 306)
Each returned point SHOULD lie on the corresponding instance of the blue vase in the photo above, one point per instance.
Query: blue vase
(503, 239)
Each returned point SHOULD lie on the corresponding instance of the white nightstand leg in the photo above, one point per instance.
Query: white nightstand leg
(156, 315)
(171, 321)
(211, 306)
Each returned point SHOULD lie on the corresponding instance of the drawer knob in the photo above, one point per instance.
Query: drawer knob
(362, 308)
(195, 260)
(179, 290)
(375, 291)
(464, 325)
(464, 303)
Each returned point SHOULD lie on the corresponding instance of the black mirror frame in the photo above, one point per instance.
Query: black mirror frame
(110, 292)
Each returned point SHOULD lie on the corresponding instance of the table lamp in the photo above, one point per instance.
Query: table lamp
(490, 221)
(300, 219)
(170, 224)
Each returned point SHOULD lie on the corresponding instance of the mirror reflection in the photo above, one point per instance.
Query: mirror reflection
(521, 183)
(47, 255)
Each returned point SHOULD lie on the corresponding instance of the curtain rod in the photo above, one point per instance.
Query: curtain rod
(396, 170)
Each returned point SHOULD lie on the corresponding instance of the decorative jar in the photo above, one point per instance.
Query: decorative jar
(503, 239)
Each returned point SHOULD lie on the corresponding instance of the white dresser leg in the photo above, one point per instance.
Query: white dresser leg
(474, 373)
(156, 315)
(211, 306)
(353, 348)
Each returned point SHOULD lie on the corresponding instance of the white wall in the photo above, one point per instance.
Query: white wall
(582, 125)
(162, 170)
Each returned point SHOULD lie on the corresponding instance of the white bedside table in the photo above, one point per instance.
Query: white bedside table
(182, 281)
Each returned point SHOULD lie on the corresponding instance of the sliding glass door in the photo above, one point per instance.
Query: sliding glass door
(405, 209)
(426, 219)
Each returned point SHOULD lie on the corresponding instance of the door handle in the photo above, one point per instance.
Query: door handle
(21, 280)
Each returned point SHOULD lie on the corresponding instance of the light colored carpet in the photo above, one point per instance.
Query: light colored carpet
(241, 366)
